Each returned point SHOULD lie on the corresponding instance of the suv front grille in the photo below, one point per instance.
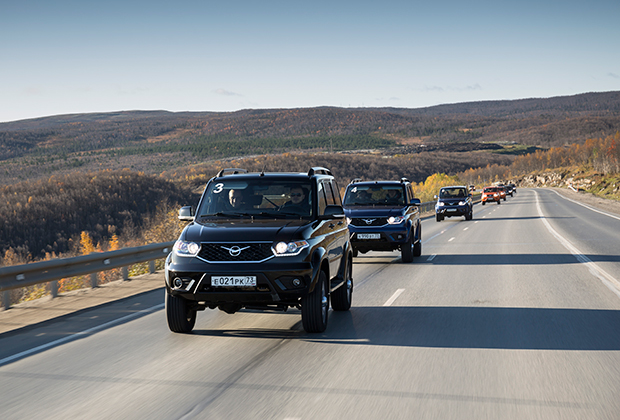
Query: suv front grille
(235, 251)
(381, 221)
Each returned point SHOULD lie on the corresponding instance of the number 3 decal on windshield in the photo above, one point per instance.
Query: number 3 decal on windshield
(218, 188)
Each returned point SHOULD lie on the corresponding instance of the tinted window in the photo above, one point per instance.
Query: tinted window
(253, 196)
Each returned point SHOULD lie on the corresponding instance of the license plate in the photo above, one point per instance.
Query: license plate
(234, 281)
(368, 236)
(451, 210)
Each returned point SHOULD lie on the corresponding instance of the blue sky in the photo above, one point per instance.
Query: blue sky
(62, 57)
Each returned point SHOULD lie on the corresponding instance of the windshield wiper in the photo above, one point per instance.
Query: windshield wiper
(225, 214)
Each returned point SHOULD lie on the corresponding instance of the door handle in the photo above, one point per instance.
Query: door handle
(331, 225)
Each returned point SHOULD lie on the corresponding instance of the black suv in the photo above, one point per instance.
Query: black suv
(266, 241)
(384, 216)
(454, 201)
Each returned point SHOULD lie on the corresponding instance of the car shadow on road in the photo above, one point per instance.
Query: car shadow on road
(456, 327)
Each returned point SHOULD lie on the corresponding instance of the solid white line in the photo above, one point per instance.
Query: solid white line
(394, 296)
(76, 335)
(609, 281)
(586, 206)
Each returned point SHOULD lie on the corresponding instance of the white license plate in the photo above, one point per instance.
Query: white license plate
(233, 281)
(368, 236)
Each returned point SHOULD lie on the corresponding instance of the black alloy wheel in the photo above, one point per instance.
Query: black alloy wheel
(181, 317)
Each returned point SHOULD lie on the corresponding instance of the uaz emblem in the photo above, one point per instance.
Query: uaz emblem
(369, 221)
(234, 251)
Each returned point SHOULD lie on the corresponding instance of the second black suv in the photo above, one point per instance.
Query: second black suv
(384, 216)
(265, 241)
(454, 201)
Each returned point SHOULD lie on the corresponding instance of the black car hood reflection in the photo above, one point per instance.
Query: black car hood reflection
(243, 230)
(383, 211)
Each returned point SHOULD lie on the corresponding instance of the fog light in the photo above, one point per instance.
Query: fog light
(178, 283)
(296, 282)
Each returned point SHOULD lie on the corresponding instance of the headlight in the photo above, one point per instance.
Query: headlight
(394, 220)
(462, 203)
(441, 203)
(284, 249)
(186, 249)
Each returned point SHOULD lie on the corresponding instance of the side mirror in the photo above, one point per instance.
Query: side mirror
(332, 211)
(435, 197)
(416, 202)
(186, 214)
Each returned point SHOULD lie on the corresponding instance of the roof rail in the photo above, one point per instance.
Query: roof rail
(354, 180)
(402, 180)
(319, 170)
(230, 171)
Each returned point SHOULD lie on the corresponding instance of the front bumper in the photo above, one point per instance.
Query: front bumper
(386, 238)
(277, 282)
(448, 211)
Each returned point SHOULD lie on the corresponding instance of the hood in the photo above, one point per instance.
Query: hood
(383, 211)
(243, 230)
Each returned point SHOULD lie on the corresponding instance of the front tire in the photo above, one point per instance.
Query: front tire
(341, 297)
(406, 250)
(181, 317)
(315, 307)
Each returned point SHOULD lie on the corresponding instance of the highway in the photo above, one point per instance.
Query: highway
(512, 315)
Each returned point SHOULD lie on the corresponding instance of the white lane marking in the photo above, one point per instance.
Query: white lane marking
(82, 333)
(609, 281)
(451, 239)
(394, 297)
(431, 258)
(465, 228)
(588, 207)
(477, 221)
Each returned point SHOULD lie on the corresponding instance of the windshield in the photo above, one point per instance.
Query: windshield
(373, 195)
(452, 193)
(260, 197)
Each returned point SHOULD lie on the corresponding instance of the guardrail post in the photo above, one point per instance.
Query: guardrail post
(93, 280)
(6, 299)
(125, 273)
(152, 266)
(54, 288)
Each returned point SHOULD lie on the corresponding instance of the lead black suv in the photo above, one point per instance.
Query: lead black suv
(266, 241)
(384, 216)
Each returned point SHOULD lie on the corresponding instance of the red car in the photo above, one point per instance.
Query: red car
(491, 194)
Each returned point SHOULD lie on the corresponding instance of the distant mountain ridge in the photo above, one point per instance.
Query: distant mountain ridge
(597, 103)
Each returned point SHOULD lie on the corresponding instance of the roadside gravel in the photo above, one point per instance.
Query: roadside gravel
(610, 206)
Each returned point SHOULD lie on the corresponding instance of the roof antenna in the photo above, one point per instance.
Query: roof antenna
(262, 173)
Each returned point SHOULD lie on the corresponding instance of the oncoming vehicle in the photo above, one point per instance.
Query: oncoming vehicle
(384, 216)
(454, 201)
(491, 194)
(266, 241)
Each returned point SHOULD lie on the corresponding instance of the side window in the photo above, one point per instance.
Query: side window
(336, 191)
(329, 193)
(322, 199)
(410, 192)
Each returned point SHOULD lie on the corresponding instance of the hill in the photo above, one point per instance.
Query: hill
(155, 141)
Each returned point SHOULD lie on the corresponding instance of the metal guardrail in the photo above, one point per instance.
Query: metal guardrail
(18, 276)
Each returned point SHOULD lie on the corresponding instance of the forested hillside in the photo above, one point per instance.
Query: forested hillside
(158, 140)
(48, 216)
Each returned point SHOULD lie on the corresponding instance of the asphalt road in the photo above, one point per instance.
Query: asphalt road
(513, 315)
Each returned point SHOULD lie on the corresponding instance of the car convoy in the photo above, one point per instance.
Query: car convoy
(274, 241)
